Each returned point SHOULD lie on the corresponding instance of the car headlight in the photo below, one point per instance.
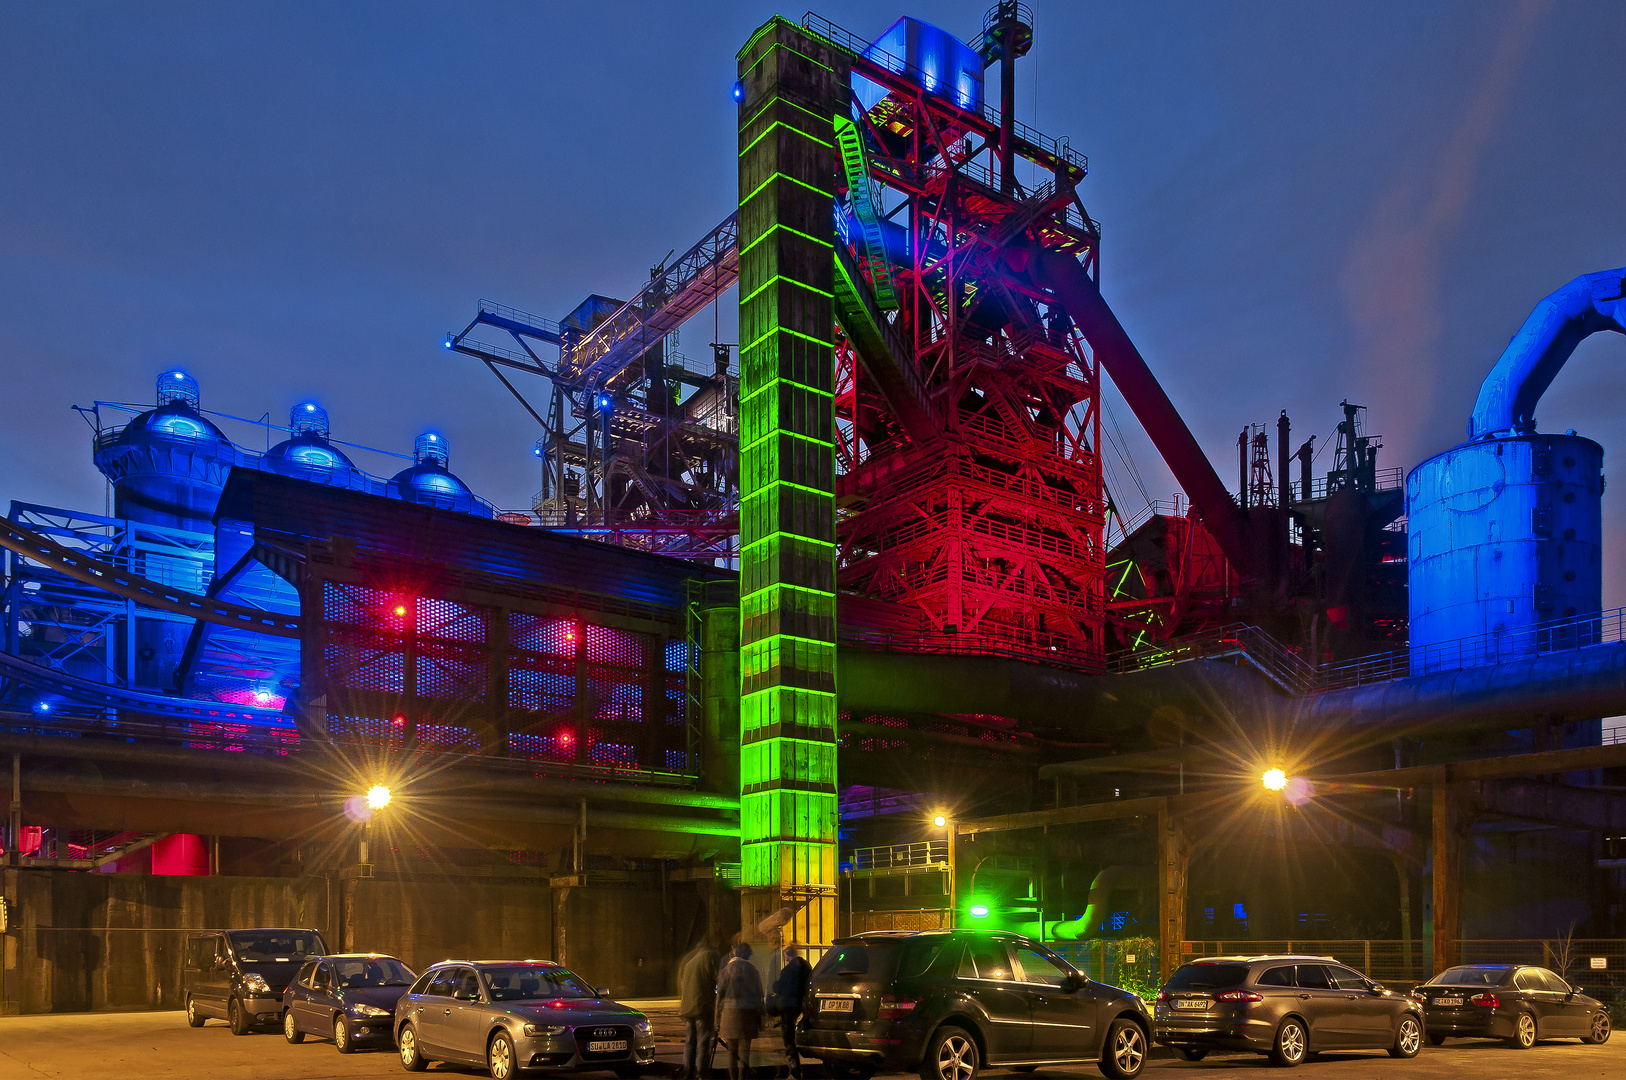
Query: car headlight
(537, 1031)
(368, 1010)
(643, 1027)
(256, 983)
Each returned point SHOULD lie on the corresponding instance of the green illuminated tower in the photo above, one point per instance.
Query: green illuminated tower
(789, 86)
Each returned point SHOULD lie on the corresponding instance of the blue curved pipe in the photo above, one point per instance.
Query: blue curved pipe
(1508, 396)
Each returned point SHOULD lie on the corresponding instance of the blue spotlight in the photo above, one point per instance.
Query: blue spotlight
(447, 343)
(42, 707)
(738, 92)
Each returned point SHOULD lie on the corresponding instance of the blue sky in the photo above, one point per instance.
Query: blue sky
(1300, 203)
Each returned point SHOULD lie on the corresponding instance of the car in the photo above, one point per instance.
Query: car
(1515, 1002)
(1284, 1006)
(349, 997)
(239, 975)
(514, 1016)
(946, 1003)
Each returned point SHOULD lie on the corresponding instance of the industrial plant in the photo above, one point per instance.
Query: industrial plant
(836, 628)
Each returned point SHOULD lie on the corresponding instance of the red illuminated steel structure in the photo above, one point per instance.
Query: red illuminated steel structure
(970, 492)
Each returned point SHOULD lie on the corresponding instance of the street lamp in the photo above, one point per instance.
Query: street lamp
(1274, 779)
(943, 821)
(378, 797)
(939, 821)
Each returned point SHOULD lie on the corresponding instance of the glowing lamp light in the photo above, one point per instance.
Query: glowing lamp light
(1274, 779)
(378, 797)
(178, 375)
(566, 738)
(737, 92)
(433, 438)
(42, 707)
(447, 343)
(400, 721)
(262, 697)
(979, 911)
(939, 821)
(310, 408)
(401, 610)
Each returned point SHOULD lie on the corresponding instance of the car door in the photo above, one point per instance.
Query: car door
(1063, 1023)
(469, 1019)
(988, 977)
(321, 1001)
(1325, 1008)
(1571, 1015)
(1370, 1018)
(216, 984)
(297, 992)
(1543, 1002)
(432, 1013)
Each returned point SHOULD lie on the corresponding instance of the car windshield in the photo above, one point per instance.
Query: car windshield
(275, 946)
(875, 959)
(524, 982)
(1208, 977)
(1472, 976)
(366, 971)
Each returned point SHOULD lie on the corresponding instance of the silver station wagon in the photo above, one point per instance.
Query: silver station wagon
(514, 1016)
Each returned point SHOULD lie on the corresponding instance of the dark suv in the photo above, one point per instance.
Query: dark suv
(948, 1002)
(238, 975)
(1285, 1006)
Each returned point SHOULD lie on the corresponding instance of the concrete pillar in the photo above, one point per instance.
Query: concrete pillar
(1450, 826)
(790, 84)
(1173, 874)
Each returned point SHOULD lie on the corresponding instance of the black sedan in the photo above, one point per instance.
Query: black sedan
(348, 998)
(1509, 1001)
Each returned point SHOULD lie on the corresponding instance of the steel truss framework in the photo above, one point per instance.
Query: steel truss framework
(992, 525)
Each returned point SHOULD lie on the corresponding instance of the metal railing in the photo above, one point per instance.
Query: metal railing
(1405, 963)
(924, 854)
(1039, 648)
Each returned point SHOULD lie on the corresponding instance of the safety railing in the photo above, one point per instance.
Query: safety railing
(926, 853)
(1598, 965)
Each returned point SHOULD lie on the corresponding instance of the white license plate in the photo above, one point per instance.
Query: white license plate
(1447, 1002)
(1186, 1003)
(607, 1046)
(836, 1005)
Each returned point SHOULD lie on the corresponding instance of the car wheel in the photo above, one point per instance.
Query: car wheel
(193, 1017)
(951, 1054)
(1123, 1052)
(1408, 1038)
(342, 1042)
(1188, 1054)
(290, 1028)
(1291, 1046)
(500, 1057)
(1524, 1032)
(411, 1059)
(1436, 1040)
(1599, 1031)
(237, 1017)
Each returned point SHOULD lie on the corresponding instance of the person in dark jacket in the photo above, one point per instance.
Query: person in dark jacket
(697, 1006)
(739, 1009)
(789, 994)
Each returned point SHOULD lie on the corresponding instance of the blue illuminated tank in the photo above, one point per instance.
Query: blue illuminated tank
(429, 481)
(308, 455)
(940, 62)
(167, 465)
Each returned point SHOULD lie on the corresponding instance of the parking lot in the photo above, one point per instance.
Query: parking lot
(158, 1046)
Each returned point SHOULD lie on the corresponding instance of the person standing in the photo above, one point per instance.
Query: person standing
(739, 1009)
(697, 1006)
(789, 994)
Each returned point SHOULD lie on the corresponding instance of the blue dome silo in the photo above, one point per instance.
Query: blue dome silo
(430, 483)
(167, 465)
(308, 455)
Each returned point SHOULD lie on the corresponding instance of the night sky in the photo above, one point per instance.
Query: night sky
(1300, 203)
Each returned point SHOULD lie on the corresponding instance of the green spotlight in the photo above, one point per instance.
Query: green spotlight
(979, 911)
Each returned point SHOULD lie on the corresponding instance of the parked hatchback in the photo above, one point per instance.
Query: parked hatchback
(348, 998)
(511, 1016)
(1287, 1007)
(1508, 1001)
(947, 1003)
(239, 975)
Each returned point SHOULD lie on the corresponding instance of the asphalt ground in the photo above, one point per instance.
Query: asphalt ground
(159, 1046)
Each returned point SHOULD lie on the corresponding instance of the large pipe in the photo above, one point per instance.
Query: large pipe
(1068, 281)
(1099, 905)
(1508, 396)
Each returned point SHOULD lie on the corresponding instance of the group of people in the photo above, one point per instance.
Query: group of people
(726, 1000)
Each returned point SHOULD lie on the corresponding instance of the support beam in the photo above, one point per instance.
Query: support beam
(1173, 870)
(1448, 851)
(1066, 815)
(1559, 805)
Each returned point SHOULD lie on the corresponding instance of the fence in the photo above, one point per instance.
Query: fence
(1405, 963)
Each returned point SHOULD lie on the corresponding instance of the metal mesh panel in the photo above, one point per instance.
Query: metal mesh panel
(607, 645)
(609, 753)
(542, 633)
(453, 622)
(389, 731)
(558, 745)
(448, 737)
(364, 661)
(450, 671)
(608, 695)
(677, 655)
(546, 689)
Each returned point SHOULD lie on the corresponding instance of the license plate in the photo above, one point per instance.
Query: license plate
(607, 1046)
(836, 1005)
(1447, 1002)
(1186, 1003)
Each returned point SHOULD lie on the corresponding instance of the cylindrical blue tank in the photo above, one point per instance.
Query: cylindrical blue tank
(308, 455)
(168, 464)
(430, 483)
(1504, 536)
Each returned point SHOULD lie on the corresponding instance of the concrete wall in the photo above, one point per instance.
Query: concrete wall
(115, 941)
(425, 920)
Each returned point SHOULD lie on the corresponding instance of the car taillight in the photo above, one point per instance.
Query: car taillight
(1238, 995)
(892, 1008)
(1163, 996)
(1489, 1001)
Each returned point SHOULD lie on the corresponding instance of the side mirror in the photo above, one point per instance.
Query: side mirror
(602, 991)
(1376, 990)
(467, 995)
(1070, 983)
